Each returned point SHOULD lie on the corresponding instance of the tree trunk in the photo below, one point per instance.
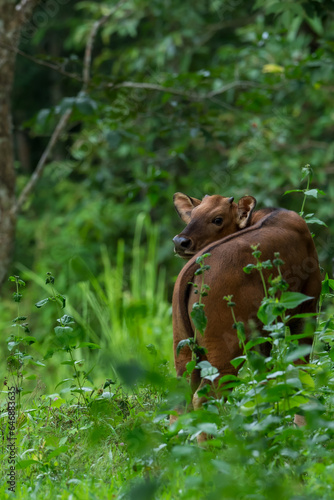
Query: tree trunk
(12, 17)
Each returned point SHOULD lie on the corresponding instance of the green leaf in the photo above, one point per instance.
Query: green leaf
(36, 363)
(85, 105)
(228, 378)
(298, 353)
(23, 464)
(29, 340)
(66, 104)
(208, 428)
(43, 118)
(327, 284)
(290, 300)
(249, 268)
(184, 451)
(314, 192)
(19, 318)
(293, 191)
(304, 315)
(58, 451)
(331, 353)
(257, 341)
(66, 319)
(310, 219)
(237, 361)
(306, 379)
(90, 345)
(17, 297)
(191, 366)
(150, 347)
(61, 330)
(62, 299)
(266, 312)
(64, 381)
(241, 334)
(42, 302)
(198, 317)
(183, 343)
(56, 403)
(208, 371)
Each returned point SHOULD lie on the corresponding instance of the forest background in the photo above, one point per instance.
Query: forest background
(116, 106)
(225, 97)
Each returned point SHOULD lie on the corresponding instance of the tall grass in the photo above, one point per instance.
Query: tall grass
(125, 308)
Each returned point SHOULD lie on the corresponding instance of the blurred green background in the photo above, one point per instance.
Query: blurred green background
(228, 97)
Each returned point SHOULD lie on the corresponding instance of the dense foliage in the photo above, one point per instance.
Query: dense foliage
(249, 104)
(224, 96)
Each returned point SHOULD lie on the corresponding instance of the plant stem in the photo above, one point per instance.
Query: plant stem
(263, 283)
(77, 375)
(304, 200)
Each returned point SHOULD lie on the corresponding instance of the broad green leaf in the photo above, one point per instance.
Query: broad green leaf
(313, 192)
(211, 377)
(290, 300)
(198, 317)
(208, 428)
(257, 341)
(85, 105)
(310, 219)
(306, 379)
(58, 451)
(62, 330)
(237, 361)
(23, 464)
(29, 340)
(297, 353)
(191, 366)
(36, 363)
(268, 312)
(208, 371)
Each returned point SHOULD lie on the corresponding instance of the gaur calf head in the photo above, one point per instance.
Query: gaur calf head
(209, 220)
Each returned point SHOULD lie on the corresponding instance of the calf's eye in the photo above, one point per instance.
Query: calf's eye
(218, 221)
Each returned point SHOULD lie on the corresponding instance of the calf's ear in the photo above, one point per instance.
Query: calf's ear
(184, 205)
(246, 206)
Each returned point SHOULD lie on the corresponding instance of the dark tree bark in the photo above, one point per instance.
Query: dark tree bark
(12, 16)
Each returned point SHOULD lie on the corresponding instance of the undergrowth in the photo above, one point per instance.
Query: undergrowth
(78, 435)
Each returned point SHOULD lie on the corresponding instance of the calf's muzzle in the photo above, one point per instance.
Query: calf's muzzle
(182, 245)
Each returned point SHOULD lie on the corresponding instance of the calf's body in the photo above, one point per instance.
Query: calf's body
(275, 230)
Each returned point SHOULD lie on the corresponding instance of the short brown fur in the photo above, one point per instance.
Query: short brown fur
(275, 230)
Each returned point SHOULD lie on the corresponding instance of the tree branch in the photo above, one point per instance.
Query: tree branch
(41, 62)
(90, 42)
(42, 162)
(193, 96)
(65, 117)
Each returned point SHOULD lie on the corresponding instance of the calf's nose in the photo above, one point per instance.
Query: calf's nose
(181, 242)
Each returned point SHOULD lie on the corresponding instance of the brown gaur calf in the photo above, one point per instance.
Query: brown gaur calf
(226, 230)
